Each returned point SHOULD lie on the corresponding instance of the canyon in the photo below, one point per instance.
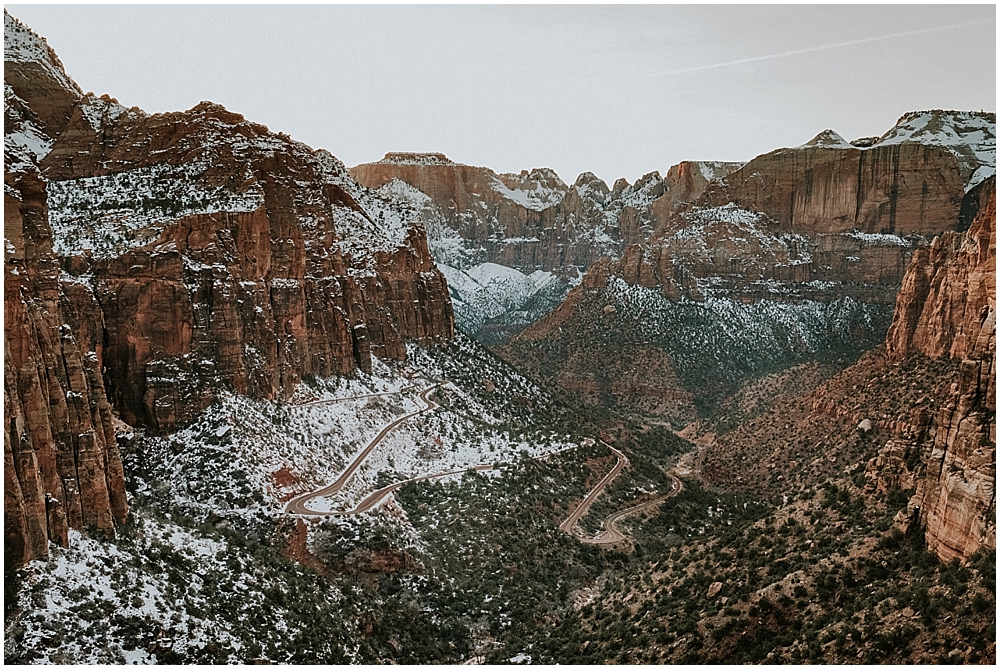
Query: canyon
(775, 381)
(481, 225)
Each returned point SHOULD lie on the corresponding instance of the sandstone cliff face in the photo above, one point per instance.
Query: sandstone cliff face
(154, 260)
(947, 308)
(728, 251)
(912, 180)
(61, 463)
(62, 467)
(34, 74)
(528, 221)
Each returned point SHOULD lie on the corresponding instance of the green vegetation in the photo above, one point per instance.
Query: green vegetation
(826, 579)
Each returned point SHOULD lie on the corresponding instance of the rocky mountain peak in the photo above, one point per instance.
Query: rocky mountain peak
(969, 135)
(829, 139)
(37, 81)
(550, 188)
(913, 180)
(21, 44)
(591, 180)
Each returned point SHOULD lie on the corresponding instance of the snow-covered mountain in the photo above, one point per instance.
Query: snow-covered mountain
(806, 247)
(528, 222)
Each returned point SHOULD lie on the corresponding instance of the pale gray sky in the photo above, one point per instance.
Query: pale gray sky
(616, 90)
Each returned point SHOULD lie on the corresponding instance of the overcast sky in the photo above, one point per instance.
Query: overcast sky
(616, 90)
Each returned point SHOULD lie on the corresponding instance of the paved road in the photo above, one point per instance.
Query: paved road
(609, 527)
(581, 510)
(373, 499)
(298, 504)
(352, 397)
(368, 503)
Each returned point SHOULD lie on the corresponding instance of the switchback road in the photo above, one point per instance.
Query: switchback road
(609, 528)
(581, 510)
(298, 504)
(609, 534)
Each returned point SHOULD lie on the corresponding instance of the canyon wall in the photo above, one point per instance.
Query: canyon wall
(947, 308)
(532, 220)
(61, 463)
(513, 245)
(153, 261)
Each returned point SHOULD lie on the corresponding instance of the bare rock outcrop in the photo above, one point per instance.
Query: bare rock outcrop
(823, 233)
(912, 180)
(154, 260)
(947, 308)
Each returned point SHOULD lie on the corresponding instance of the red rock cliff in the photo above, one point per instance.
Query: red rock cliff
(250, 261)
(61, 463)
(912, 180)
(947, 307)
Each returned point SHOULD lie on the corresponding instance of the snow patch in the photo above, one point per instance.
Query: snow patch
(21, 44)
(536, 190)
(877, 238)
(112, 214)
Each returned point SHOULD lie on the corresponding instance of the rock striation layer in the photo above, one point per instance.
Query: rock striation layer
(947, 308)
(154, 260)
(533, 220)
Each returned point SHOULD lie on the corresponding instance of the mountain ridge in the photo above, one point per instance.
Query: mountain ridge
(178, 254)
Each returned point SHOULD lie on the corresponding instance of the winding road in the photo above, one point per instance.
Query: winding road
(609, 529)
(377, 496)
(373, 499)
(609, 526)
(581, 510)
(354, 397)
(298, 504)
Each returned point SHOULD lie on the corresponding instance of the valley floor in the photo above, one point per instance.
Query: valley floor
(541, 544)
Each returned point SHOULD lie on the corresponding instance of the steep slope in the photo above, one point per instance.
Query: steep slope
(184, 254)
(61, 463)
(277, 262)
(530, 222)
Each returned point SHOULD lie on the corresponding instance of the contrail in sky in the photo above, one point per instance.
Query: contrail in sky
(823, 47)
